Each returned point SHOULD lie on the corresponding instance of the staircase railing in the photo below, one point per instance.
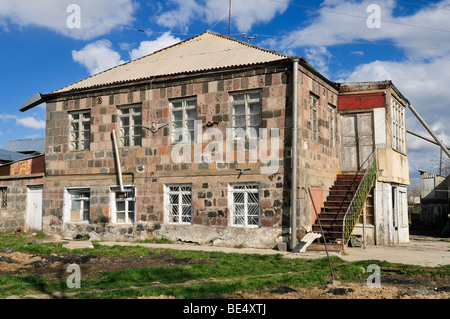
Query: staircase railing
(356, 206)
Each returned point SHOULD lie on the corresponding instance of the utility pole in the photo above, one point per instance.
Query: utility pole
(248, 37)
(229, 19)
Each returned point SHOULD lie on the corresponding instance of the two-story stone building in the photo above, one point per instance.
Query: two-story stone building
(194, 143)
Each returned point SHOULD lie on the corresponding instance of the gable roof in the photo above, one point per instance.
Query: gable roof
(205, 52)
(25, 145)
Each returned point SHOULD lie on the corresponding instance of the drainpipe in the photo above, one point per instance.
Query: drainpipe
(294, 153)
(116, 152)
(438, 141)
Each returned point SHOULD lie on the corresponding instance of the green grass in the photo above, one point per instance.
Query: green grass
(214, 275)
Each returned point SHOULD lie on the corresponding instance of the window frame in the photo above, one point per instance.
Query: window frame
(184, 120)
(332, 125)
(398, 119)
(130, 116)
(168, 205)
(232, 205)
(82, 200)
(127, 200)
(3, 198)
(247, 115)
(79, 145)
(314, 117)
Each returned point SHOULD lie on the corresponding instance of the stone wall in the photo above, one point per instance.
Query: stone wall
(151, 166)
(14, 215)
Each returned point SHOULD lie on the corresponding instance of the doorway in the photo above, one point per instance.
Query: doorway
(34, 208)
(357, 140)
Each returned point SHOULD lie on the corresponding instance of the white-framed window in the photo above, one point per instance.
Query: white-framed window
(3, 198)
(398, 126)
(244, 205)
(79, 204)
(246, 112)
(130, 125)
(183, 116)
(178, 202)
(314, 118)
(123, 205)
(331, 124)
(80, 130)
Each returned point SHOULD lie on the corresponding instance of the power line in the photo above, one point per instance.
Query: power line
(356, 16)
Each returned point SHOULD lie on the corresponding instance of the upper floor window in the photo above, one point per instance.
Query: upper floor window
(80, 130)
(246, 112)
(183, 116)
(130, 126)
(398, 126)
(3, 198)
(314, 118)
(331, 125)
(244, 205)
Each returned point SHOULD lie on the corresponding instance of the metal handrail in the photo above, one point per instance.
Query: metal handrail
(355, 208)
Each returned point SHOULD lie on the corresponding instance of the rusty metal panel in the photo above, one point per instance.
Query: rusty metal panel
(361, 101)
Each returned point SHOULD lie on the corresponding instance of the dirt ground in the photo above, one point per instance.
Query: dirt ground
(393, 285)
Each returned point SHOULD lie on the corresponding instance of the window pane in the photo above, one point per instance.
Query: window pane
(239, 121)
(120, 206)
(120, 217)
(177, 116)
(76, 204)
(254, 108)
(239, 109)
(191, 114)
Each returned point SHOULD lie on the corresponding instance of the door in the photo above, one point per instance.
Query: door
(357, 140)
(34, 208)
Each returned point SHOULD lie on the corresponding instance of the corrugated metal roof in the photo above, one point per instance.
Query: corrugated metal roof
(25, 145)
(9, 156)
(205, 52)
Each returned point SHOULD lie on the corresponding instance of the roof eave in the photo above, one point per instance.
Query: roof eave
(33, 101)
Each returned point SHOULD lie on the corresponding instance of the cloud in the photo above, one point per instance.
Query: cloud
(245, 14)
(422, 34)
(28, 121)
(97, 56)
(319, 57)
(96, 17)
(147, 47)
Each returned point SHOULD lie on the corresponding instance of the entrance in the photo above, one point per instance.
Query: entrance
(34, 208)
(357, 140)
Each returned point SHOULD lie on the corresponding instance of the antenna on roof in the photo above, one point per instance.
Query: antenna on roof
(229, 19)
(249, 37)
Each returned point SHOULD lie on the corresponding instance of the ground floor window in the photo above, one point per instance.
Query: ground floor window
(124, 205)
(244, 205)
(79, 204)
(178, 199)
(3, 198)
